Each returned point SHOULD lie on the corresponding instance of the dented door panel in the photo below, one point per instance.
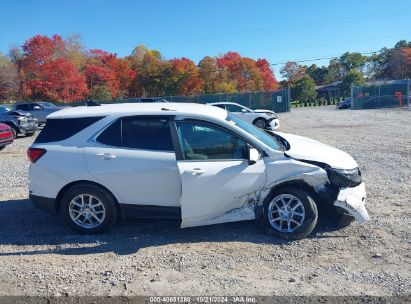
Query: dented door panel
(211, 189)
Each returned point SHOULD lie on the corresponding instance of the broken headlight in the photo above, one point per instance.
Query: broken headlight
(344, 178)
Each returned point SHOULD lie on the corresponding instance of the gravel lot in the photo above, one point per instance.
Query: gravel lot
(39, 255)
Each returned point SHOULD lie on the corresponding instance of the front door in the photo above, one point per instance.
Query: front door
(215, 174)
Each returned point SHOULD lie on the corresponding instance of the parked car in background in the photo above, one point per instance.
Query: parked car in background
(39, 109)
(21, 123)
(148, 100)
(263, 119)
(192, 162)
(6, 136)
(345, 104)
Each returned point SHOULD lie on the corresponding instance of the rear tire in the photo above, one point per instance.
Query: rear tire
(260, 123)
(89, 209)
(2, 147)
(29, 134)
(292, 220)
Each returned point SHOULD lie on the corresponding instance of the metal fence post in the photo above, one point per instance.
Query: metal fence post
(408, 94)
(289, 98)
(352, 96)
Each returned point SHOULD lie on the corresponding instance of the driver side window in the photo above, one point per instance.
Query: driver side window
(234, 108)
(203, 141)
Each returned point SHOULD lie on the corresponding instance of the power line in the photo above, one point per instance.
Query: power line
(271, 29)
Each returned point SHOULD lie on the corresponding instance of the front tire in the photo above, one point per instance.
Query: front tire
(89, 209)
(289, 213)
(260, 123)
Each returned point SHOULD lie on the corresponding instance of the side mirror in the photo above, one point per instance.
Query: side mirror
(253, 156)
(37, 108)
(244, 111)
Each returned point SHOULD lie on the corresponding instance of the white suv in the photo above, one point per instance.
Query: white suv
(196, 163)
(263, 119)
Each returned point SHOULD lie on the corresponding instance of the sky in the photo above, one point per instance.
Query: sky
(279, 31)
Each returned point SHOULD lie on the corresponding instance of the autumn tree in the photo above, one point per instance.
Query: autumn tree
(9, 79)
(183, 78)
(209, 74)
(47, 75)
(104, 69)
(75, 50)
(399, 63)
(152, 75)
(292, 71)
(267, 75)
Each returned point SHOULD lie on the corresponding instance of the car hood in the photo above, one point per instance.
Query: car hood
(304, 148)
(19, 113)
(263, 111)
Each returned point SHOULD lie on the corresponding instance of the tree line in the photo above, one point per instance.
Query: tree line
(57, 69)
(349, 68)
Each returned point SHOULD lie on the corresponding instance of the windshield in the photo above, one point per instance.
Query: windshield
(4, 110)
(272, 142)
(47, 105)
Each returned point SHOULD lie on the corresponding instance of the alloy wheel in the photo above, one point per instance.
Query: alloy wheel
(87, 211)
(286, 213)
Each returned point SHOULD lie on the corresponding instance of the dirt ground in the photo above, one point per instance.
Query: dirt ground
(39, 255)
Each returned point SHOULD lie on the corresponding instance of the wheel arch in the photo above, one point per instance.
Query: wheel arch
(259, 209)
(84, 182)
(260, 117)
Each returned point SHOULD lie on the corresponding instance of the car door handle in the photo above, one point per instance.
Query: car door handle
(106, 156)
(196, 171)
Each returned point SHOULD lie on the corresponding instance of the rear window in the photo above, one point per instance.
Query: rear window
(138, 133)
(61, 129)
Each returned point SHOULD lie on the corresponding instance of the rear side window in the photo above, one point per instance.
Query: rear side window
(61, 129)
(138, 133)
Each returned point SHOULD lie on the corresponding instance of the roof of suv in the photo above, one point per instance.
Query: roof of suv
(141, 109)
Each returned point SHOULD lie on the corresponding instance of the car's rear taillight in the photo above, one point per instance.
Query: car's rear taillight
(34, 154)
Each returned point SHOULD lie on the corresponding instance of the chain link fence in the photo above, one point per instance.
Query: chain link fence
(390, 94)
(277, 101)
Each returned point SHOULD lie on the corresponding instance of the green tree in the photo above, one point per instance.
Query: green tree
(317, 73)
(99, 92)
(353, 77)
(304, 89)
(351, 61)
(335, 71)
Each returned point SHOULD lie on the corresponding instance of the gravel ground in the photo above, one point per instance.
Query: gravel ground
(39, 255)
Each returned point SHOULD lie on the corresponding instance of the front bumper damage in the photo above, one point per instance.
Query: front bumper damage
(274, 123)
(352, 200)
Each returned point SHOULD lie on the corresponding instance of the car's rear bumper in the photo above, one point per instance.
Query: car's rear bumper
(43, 203)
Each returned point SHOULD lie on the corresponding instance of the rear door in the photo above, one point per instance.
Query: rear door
(134, 157)
(215, 174)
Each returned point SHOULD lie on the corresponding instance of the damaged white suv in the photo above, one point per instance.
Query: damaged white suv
(192, 162)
